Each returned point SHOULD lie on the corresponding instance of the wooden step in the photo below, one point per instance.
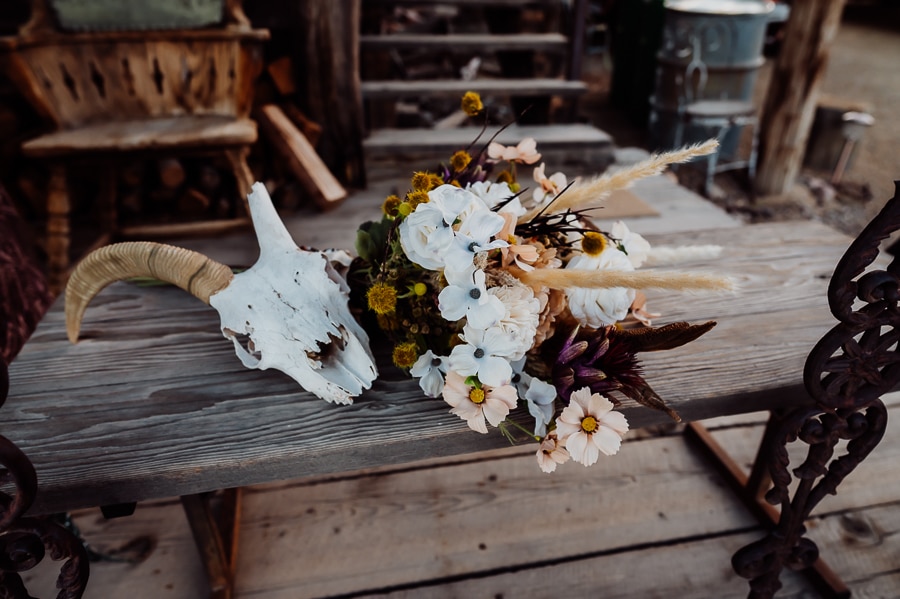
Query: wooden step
(520, 3)
(553, 42)
(486, 87)
(575, 143)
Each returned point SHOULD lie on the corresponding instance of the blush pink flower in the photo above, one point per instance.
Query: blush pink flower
(475, 405)
(525, 151)
(588, 426)
(549, 186)
(551, 453)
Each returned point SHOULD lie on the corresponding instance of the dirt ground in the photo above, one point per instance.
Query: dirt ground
(863, 67)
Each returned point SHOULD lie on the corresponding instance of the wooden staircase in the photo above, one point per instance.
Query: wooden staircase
(523, 56)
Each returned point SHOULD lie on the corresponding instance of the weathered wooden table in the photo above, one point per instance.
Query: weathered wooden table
(153, 403)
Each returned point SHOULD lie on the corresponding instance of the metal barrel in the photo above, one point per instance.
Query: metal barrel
(711, 50)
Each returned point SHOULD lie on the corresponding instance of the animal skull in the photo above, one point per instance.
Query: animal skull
(288, 312)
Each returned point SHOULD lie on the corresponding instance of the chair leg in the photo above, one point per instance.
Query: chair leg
(237, 158)
(58, 235)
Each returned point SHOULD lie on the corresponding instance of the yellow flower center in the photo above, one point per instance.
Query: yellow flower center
(593, 243)
(382, 298)
(471, 103)
(420, 289)
(405, 354)
(476, 395)
(589, 424)
(404, 209)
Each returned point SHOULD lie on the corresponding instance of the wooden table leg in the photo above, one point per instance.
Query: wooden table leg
(58, 209)
(216, 536)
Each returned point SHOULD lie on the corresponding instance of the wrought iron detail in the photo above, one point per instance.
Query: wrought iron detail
(24, 542)
(846, 373)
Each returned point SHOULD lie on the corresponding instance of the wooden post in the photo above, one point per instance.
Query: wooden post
(328, 82)
(790, 103)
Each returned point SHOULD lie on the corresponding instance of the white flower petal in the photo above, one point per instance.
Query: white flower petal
(606, 440)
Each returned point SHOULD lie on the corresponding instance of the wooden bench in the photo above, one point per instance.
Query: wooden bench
(107, 95)
(152, 402)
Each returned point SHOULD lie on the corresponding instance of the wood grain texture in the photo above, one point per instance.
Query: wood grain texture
(790, 104)
(419, 522)
(153, 403)
(301, 157)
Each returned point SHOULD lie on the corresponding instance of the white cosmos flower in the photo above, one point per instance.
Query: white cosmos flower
(600, 307)
(588, 426)
(427, 233)
(635, 245)
(484, 355)
(521, 312)
(430, 369)
(474, 235)
(490, 193)
(467, 296)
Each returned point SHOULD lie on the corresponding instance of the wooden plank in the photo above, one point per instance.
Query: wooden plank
(474, 518)
(408, 505)
(464, 42)
(156, 386)
(385, 142)
(182, 133)
(486, 87)
(301, 157)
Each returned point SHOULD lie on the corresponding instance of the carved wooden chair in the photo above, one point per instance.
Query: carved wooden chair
(111, 94)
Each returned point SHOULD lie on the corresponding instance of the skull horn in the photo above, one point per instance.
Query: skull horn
(195, 273)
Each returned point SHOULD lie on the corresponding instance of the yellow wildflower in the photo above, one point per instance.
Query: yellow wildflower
(425, 181)
(460, 160)
(405, 354)
(471, 103)
(382, 298)
(390, 205)
(414, 198)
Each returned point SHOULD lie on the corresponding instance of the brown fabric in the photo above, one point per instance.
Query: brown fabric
(24, 296)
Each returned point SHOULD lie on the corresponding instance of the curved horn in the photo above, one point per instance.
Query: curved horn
(195, 273)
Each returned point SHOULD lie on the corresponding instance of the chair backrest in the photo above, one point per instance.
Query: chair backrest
(80, 78)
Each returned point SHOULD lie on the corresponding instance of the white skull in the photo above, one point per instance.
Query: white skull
(289, 312)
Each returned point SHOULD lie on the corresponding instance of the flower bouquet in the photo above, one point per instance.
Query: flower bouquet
(499, 294)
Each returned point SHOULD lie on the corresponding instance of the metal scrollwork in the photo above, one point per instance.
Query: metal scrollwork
(24, 542)
(846, 373)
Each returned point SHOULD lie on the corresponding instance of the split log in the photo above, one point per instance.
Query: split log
(300, 157)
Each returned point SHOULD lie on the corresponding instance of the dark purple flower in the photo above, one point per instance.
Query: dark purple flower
(603, 361)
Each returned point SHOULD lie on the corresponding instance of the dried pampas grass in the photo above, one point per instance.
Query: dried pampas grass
(588, 195)
(602, 279)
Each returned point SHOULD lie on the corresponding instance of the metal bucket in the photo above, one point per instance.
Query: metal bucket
(711, 50)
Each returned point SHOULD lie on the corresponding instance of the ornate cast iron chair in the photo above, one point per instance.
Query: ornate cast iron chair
(846, 373)
(108, 93)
